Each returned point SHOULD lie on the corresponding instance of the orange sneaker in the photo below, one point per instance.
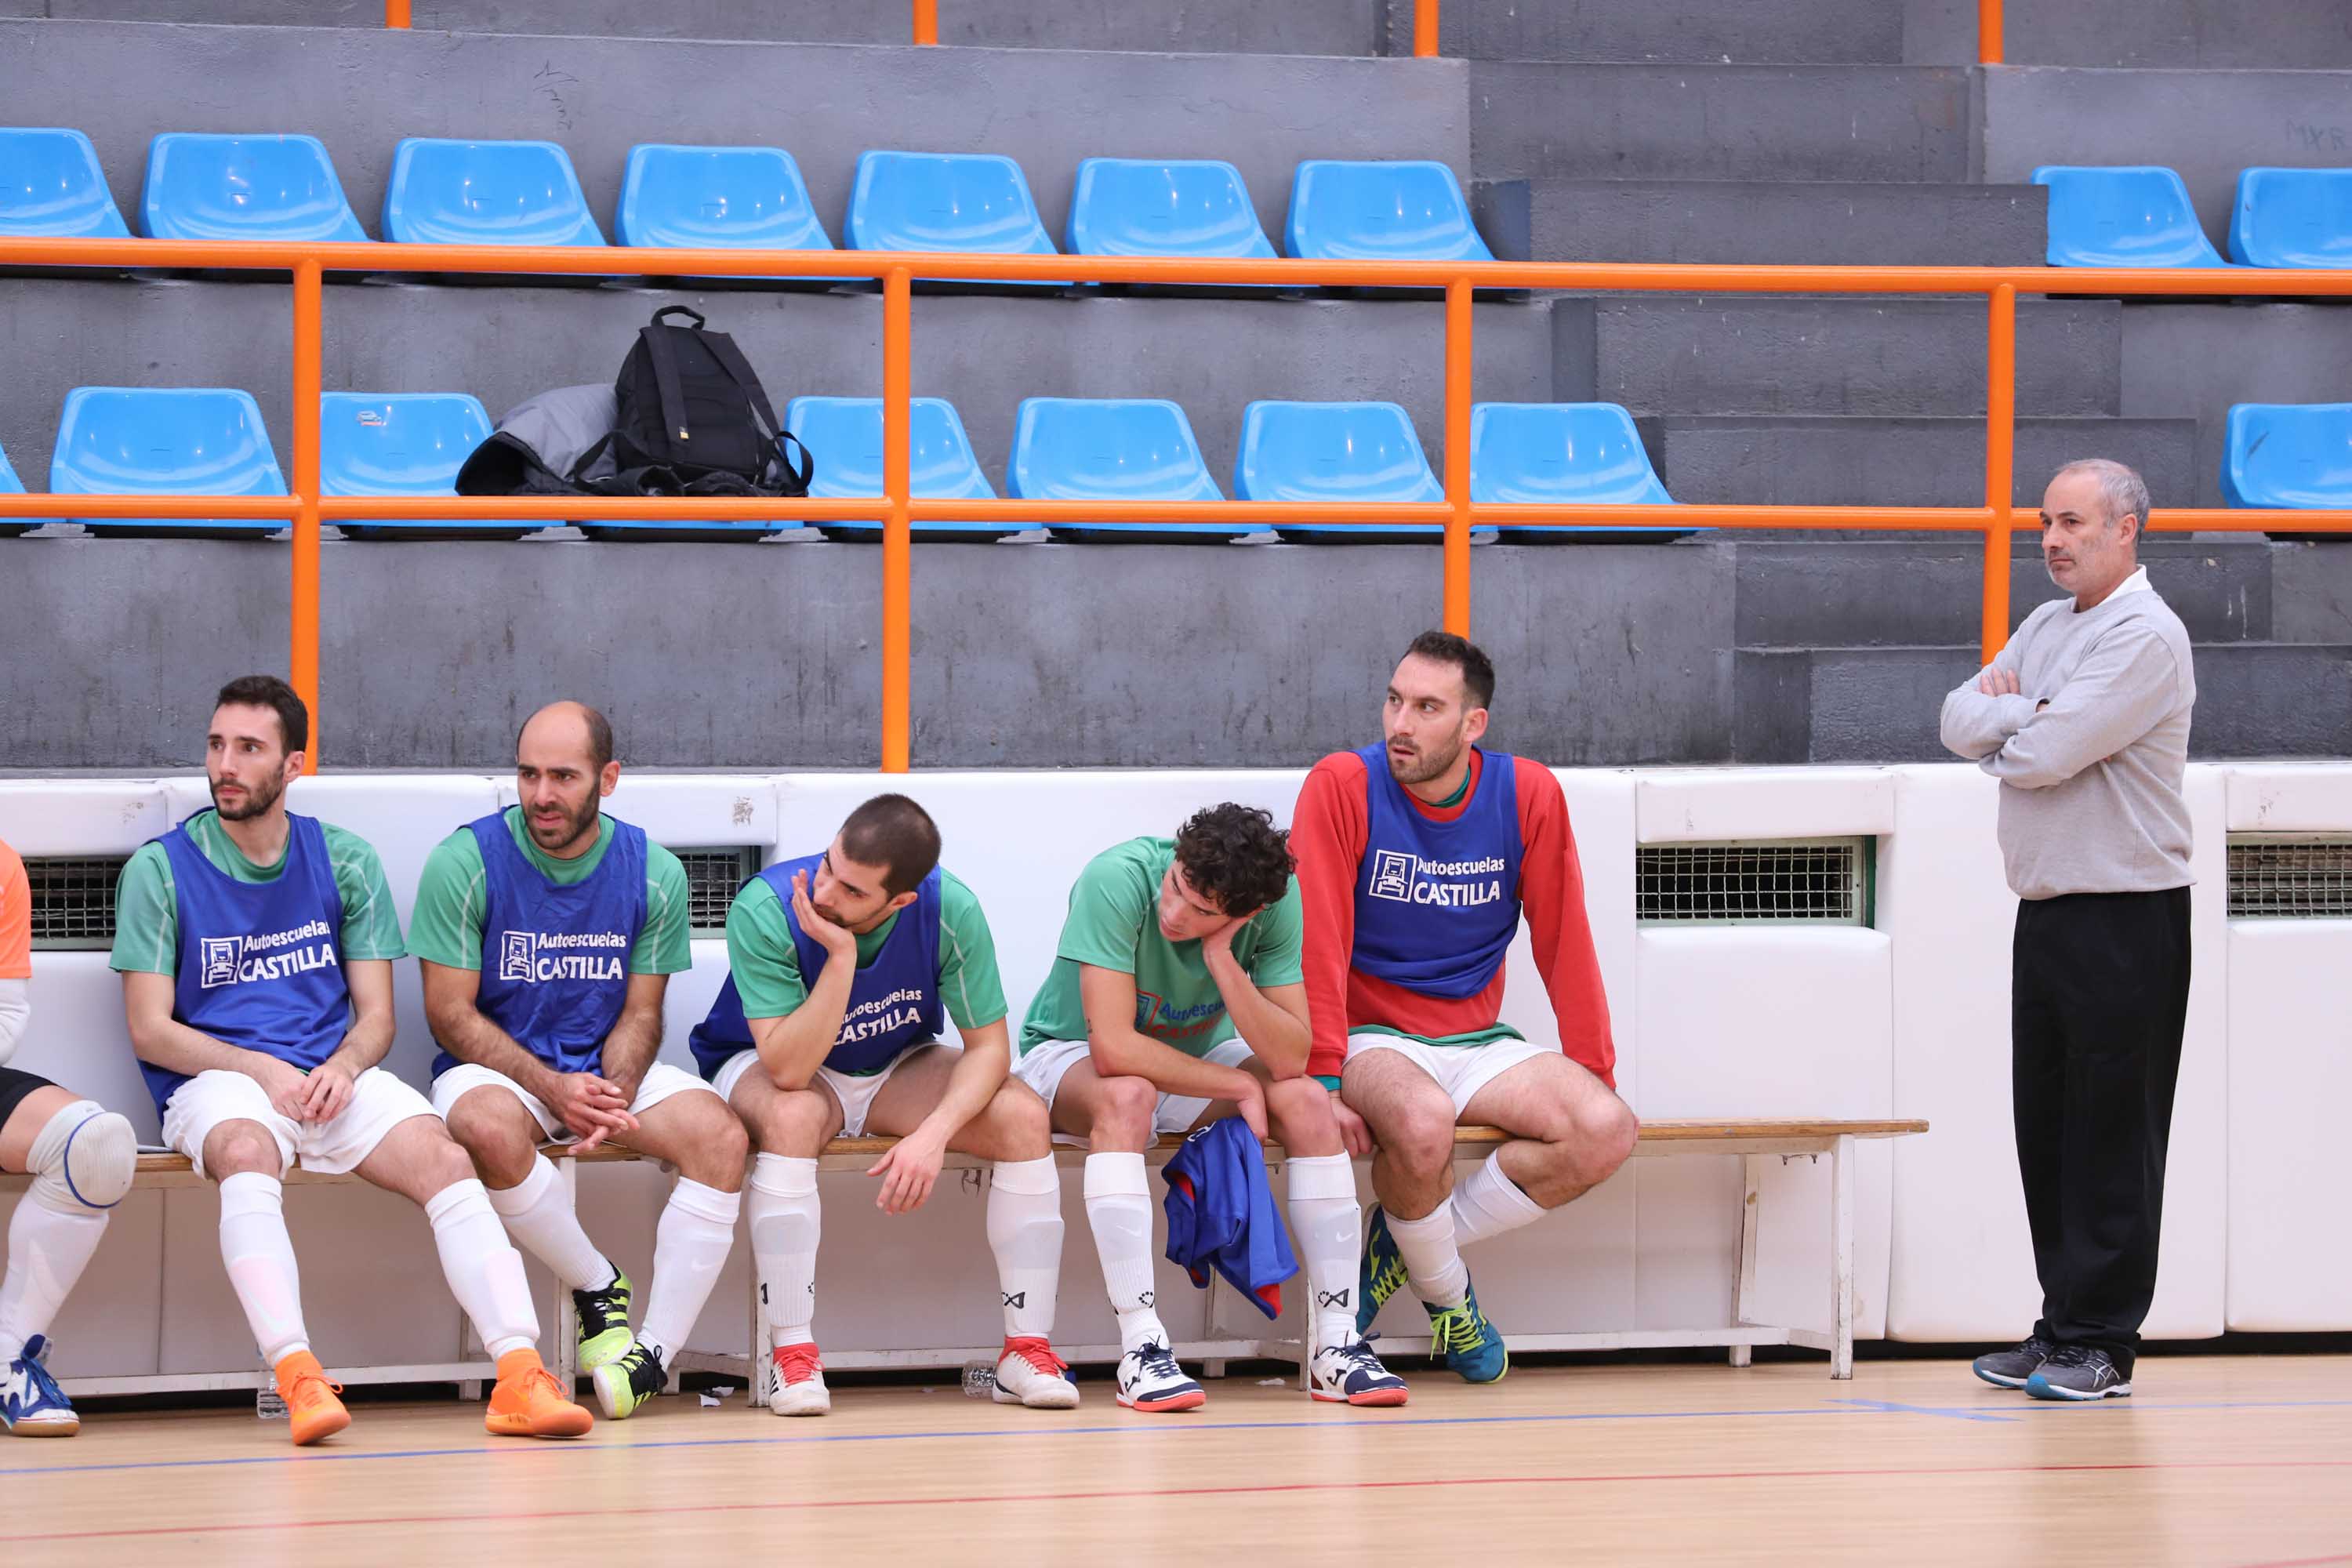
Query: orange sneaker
(311, 1407)
(529, 1401)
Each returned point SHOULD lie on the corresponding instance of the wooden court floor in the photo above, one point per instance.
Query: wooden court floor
(2216, 1460)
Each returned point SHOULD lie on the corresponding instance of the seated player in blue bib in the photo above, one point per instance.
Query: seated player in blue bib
(843, 968)
(255, 948)
(547, 934)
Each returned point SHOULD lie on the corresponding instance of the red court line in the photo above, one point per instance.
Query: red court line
(802, 1505)
(2305, 1562)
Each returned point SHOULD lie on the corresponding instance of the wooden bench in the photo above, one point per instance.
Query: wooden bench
(1756, 1140)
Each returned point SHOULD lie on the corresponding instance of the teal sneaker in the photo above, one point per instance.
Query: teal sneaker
(1382, 1274)
(1467, 1340)
(628, 1381)
(603, 1315)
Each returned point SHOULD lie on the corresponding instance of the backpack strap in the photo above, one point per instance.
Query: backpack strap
(799, 475)
(730, 360)
(596, 449)
(662, 353)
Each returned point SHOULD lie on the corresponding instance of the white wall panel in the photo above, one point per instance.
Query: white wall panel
(1705, 805)
(80, 816)
(2192, 1265)
(2290, 797)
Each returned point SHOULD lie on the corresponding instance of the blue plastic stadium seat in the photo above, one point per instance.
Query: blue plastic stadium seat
(1151, 206)
(1086, 449)
(155, 440)
(1362, 454)
(1572, 454)
(717, 198)
(51, 186)
(2138, 215)
(11, 485)
(843, 434)
(946, 201)
(244, 187)
(1405, 211)
(404, 444)
(2292, 217)
(485, 192)
(2287, 454)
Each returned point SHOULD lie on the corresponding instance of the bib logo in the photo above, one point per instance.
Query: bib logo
(273, 955)
(532, 957)
(1155, 1017)
(220, 961)
(1405, 879)
(901, 1009)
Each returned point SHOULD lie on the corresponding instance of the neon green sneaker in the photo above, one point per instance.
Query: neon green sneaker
(603, 1322)
(1381, 1274)
(628, 1381)
(1467, 1340)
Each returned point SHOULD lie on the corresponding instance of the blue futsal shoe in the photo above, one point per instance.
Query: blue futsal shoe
(31, 1402)
(1467, 1340)
(1382, 1274)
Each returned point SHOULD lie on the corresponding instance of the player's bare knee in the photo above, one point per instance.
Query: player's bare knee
(502, 1150)
(716, 1148)
(1300, 1110)
(442, 1164)
(795, 1124)
(1021, 1122)
(1420, 1140)
(1124, 1107)
(1600, 1138)
(237, 1147)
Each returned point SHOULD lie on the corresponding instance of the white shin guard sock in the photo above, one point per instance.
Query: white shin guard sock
(786, 1224)
(1487, 1203)
(1118, 1210)
(82, 1162)
(1330, 1230)
(484, 1270)
(1024, 1231)
(1431, 1257)
(259, 1255)
(691, 1242)
(538, 1214)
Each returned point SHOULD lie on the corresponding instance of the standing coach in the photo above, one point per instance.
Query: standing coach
(2084, 718)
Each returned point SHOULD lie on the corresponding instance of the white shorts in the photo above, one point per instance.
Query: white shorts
(661, 1081)
(854, 1092)
(1460, 1070)
(1044, 1068)
(380, 1103)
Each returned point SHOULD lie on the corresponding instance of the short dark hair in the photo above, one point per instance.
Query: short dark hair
(1235, 855)
(1478, 669)
(268, 691)
(600, 736)
(894, 833)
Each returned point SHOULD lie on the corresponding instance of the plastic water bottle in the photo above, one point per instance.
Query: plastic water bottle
(268, 1403)
(979, 1380)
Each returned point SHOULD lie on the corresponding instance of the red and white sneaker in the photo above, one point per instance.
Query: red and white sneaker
(800, 1383)
(1030, 1374)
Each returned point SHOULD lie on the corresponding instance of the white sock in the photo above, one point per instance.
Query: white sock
(484, 1270)
(690, 1247)
(785, 1226)
(1024, 1231)
(48, 1248)
(538, 1214)
(1330, 1230)
(1431, 1257)
(261, 1259)
(1487, 1203)
(1118, 1210)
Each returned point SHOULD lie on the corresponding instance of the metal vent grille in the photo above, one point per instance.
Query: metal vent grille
(2289, 878)
(73, 899)
(1816, 882)
(712, 879)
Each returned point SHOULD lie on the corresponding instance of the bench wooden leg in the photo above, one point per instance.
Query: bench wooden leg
(1842, 1256)
(762, 1360)
(563, 1319)
(1749, 1184)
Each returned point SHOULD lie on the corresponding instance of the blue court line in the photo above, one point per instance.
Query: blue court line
(1953, 1413)
(1171, 1427)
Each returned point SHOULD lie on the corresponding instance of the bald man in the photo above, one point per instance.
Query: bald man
(547, 933)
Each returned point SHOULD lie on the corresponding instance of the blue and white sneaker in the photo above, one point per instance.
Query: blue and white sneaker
(1467, 1340)
(1150, 1379)
(1382, 1274)
(1353, 1375)
(31, 1402)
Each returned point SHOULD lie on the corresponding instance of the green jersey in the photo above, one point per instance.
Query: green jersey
(147, 906)
(452, 903)
(1114, 923)
(767, 966)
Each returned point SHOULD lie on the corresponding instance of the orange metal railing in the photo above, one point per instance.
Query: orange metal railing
(899, 508)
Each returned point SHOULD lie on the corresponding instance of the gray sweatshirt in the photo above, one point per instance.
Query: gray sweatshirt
(2091, 801)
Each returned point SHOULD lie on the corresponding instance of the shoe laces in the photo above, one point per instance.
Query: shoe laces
(1157, 1359)
(1453, 1328)
(644, 1369)
(1035, 1349)
(44, 1389)
(2076, 1355)
(603, 1309)
(301, 1392)
(797, 1363)
(1355, 1357)
(540, 1381)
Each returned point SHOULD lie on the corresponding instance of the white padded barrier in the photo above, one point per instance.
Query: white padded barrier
(2192, 1266)
(1697, 806)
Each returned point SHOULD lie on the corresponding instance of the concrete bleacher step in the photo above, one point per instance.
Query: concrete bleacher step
(2206, 35)
(1533, 120)
(1668, 353)
(1915, 460)
(1796, 223)
(1852, 32)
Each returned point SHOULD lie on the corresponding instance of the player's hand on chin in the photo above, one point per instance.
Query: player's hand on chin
(838, 941)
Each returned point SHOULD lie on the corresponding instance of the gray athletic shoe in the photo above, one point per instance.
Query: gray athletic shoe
(2079, 1373)
(2012, 1367)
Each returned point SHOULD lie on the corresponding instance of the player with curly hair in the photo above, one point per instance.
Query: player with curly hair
(1176, 998)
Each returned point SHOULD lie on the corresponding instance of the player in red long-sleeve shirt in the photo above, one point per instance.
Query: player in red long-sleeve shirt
(1416, 859)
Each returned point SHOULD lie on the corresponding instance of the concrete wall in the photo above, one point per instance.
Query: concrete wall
(2232, 34)
(2195, 361)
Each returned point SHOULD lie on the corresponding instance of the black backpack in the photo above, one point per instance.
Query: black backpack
(692, 418)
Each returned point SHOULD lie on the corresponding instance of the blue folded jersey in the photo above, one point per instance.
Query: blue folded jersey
(1220, 1215)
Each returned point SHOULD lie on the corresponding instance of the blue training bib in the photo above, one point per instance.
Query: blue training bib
(261, 964)
(555, 958)
(894, 1003)
(1437, 903)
